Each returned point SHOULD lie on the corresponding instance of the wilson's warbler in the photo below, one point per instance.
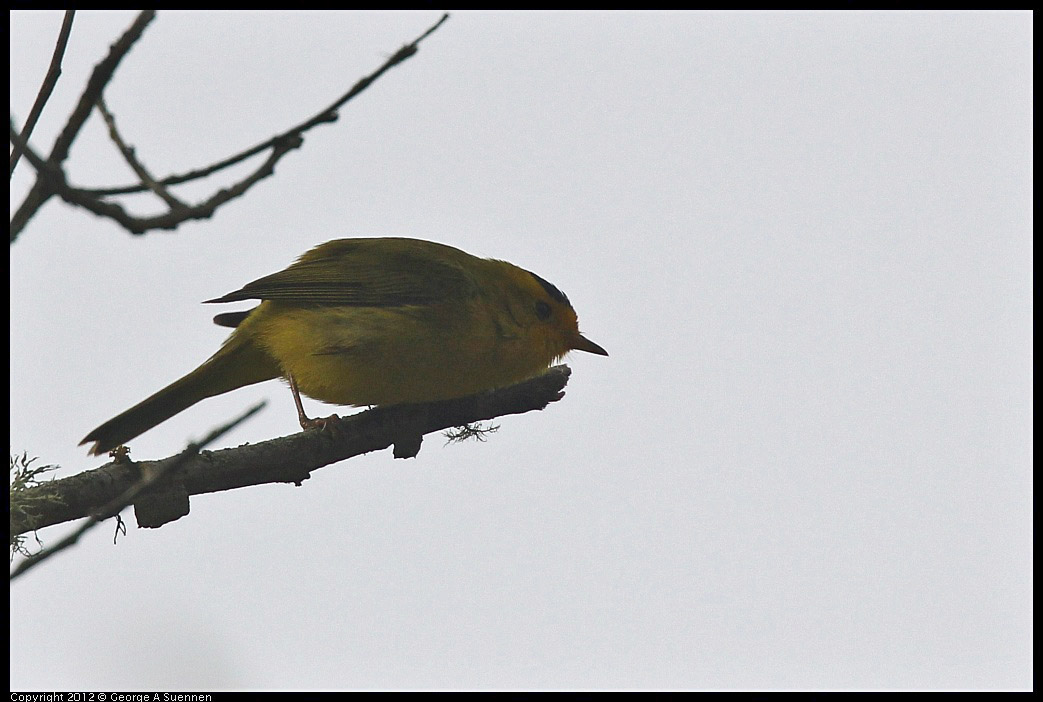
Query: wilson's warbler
(376, 322)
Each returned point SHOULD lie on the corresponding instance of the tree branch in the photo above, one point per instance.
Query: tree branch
(327, 115)
(146, 480)
(41, 192)
(49, 183)
(54, 178)
(47, 87)
(290, 459)
(131, 157)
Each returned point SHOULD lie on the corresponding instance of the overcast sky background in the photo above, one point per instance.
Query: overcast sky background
(804, 238)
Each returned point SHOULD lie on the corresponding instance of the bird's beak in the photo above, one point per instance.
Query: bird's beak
(580, 343)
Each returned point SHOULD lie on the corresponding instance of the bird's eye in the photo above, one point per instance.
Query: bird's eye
(542, 310)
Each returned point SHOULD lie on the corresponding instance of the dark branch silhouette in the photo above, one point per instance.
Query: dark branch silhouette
(47, 87)
(146, 480)
(289, 459)
(52, 181)
(44, 187)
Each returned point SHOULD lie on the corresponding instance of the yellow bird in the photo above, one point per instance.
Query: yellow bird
(375, 322)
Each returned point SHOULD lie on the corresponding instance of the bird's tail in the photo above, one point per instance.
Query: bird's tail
(239, 362)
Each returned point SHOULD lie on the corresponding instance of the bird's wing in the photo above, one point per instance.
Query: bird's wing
(366, 273)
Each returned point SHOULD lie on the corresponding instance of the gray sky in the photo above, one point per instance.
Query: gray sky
(805, 239)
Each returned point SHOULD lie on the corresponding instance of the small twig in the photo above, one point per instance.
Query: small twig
(475, 431)
(148, 480)
(55, 180)
(53, 175)
(132, 160)
(49, 81)
(327, 115)
(51, 179)
(100, 77)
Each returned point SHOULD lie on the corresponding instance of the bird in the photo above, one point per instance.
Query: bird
(375, 321)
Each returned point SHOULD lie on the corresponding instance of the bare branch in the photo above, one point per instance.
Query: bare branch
(327, 115)
(47, 87)
(290, 459)
(101, 76)
(131, 158)
(51, 180)
(145, 480)
(54, 178)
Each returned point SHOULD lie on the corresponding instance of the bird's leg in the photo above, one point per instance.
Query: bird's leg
(307, 423)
